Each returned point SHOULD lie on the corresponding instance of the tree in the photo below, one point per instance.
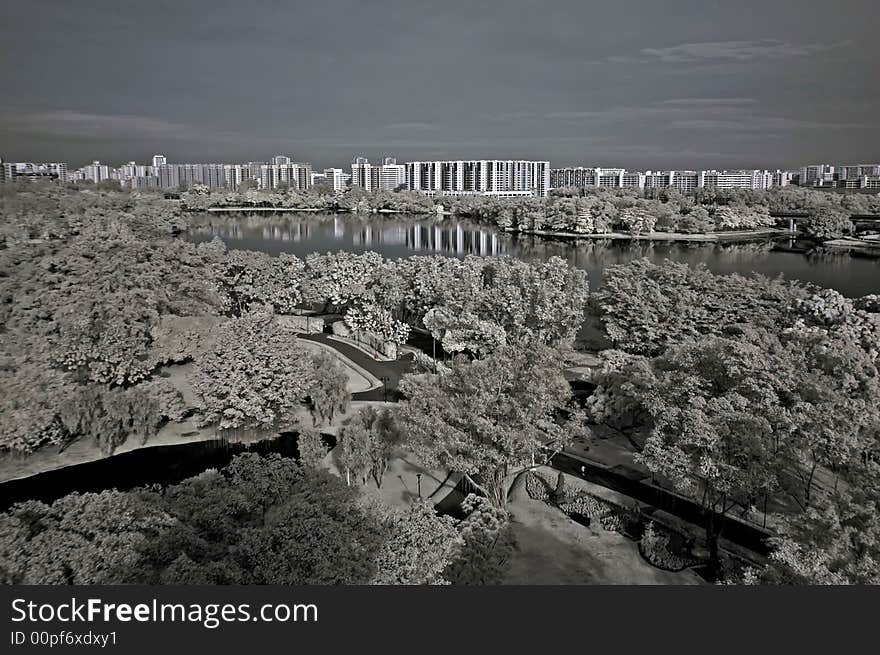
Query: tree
(828, 222)
(354, 451)
(420, 546)
(341, 278)
(377, 321)
(646, 306)
(836, 541)
(254, 376)
(486, 417)
(463, 331)
(638, 220)
(250, 277)
(385, 440)
(716, 406)
(78, 539)
(369, 441)
(312, 449)
(329, 391)
(488, 544)
(109, 416)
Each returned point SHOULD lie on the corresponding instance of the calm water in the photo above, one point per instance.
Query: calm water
(402, 235)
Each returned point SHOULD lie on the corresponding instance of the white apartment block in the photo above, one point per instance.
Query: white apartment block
(48, 170)
(609, 178)
(294, 176)
(480, 177)
(850, 176)
(744, 179)
(391, 176)
(335, 177)
(387, 176)
(783, 178)
(684, 181)
(95, 172)
(235, 174)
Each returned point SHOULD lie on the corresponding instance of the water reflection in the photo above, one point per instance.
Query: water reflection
(401, 236)
(453, 238)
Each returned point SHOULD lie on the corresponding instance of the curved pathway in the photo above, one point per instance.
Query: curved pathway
(389, 372)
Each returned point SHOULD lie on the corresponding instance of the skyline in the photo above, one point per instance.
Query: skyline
(117, 163)
(713, 85)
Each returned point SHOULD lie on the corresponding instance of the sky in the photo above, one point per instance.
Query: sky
(642, 85)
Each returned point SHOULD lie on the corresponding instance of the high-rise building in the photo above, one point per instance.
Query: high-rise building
(144, 182)
(30, 170)
(235, 174)
(783, 178)
(742, 179)
(132, 170)
(96, 172)
(169, 177)
(364, 175)
(294, 176)
(482, 177)
(391, 175)
(684, 181)
(610, 178)
(816, 175)
(572, 176)
(158, 160)
(335, 177)
(281, 160)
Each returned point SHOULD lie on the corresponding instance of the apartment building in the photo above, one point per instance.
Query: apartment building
(741, 179)
(31, 170)
(482, 177)
(294, 176)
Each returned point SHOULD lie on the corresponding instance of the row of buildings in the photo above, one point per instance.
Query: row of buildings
(505, 178)
(493, 177)
(861, 176)
(846, 176)
(278, 173)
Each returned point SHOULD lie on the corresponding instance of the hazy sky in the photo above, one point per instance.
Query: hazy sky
(650, 84)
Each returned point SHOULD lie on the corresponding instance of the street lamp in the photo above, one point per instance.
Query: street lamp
(384, 388)
(419, 478)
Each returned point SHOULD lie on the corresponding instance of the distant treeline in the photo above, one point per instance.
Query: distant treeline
(591, 210)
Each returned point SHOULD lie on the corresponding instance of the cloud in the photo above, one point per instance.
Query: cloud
(95, 127)
(413, 127)
(707, 102)
(732, 114)
(727, 51)
(762, 124)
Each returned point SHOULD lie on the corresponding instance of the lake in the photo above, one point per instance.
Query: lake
(401, 235)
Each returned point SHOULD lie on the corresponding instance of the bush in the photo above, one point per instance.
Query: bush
(537, 486)
(654, 547)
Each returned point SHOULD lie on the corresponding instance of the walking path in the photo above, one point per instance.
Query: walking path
(618, 473)
(388, 372)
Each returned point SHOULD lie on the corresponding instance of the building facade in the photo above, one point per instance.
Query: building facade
(479, 177)
(30, 170)
(286, 176)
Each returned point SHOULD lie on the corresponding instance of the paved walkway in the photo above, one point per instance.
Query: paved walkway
(391, 371)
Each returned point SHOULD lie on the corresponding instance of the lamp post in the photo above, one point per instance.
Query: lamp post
(384, 388)
(419, 478)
